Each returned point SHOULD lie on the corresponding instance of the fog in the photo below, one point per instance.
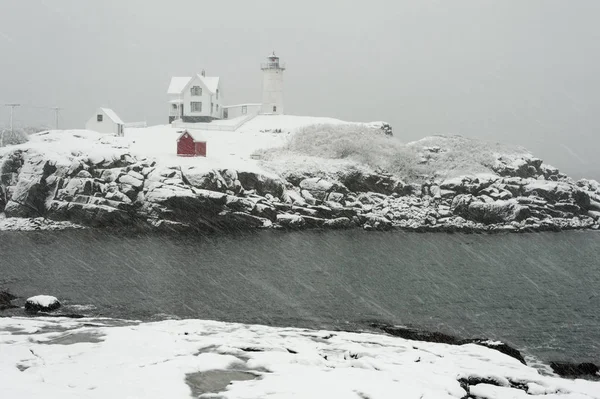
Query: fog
(518, 72)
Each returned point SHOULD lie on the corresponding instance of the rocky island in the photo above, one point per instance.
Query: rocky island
(295, 173)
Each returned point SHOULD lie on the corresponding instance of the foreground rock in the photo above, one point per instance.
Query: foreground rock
(441, 338)
(288, 362)
(6, 300)
(42, 303)
(574, 370)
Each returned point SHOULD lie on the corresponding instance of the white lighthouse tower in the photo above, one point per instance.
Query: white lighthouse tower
(272, 98)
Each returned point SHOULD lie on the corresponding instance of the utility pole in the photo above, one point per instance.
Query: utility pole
(56, 109)
(12, 108)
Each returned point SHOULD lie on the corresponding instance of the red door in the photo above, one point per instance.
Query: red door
(201, 148)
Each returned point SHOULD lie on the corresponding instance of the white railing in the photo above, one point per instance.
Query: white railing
(272, 65)
(212, 126)
(136, 124)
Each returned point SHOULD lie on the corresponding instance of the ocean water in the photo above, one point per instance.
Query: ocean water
(539, 292)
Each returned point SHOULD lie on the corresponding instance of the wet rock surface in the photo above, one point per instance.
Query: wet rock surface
(576, 370)
(438, 337)
(127, 192)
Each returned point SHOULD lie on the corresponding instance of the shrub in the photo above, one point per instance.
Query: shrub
(18, 136)
(436, 156)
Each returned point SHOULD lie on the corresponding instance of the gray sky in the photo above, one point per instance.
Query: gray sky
(518, 71)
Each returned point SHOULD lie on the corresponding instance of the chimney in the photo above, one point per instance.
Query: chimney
(203, 73)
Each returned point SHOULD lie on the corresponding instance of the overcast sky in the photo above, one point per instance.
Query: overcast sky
(524, 72)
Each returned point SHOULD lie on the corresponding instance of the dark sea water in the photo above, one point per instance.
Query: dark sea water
(539, 292)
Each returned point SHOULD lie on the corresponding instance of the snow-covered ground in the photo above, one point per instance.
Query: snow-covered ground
(102, 358)
(225, 149)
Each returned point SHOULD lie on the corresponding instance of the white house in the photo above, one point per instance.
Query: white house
(195, 99)
(200, 98)
(105, 120)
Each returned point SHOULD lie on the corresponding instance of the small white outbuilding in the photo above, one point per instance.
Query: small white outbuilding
(105, 120)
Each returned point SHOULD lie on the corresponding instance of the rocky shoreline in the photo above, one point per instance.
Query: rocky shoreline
(122, 191)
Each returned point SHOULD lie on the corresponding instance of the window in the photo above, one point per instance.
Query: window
(212, 108)
(217, 94)
(174, 106)
(274, 108)
(196, 91)
(217, 107)
(244, 110)
(99, 117)
(196, 106)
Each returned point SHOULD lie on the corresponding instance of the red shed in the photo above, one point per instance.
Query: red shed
(190, 146)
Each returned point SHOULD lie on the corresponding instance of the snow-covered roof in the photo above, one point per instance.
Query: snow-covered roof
(195, 135)
(112, 115)
(211, 82)
(177, 84)
(176, 101)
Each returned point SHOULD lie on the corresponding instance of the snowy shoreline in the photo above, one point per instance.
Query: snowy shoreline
(104, 357)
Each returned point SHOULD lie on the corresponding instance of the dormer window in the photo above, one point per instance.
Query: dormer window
(217, 94)
(196, 91)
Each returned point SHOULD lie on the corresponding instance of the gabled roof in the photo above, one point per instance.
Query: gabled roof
(112, 115)
(211, 82)
(179, 84)
(196, 136)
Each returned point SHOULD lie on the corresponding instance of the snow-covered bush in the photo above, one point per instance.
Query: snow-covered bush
(17, 136)
(432, 157)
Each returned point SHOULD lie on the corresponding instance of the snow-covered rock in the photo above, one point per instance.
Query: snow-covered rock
(112, 359)
(42, 303)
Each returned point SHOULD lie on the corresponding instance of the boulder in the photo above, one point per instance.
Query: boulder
(291, 196)
(42, 303)
(339, 223)
(468, 207)
(136, 175)
(90, 214)
(230, 176)
(262, 183)
(290, 221)
(265, 211)
(374, 221)
(313, 222)
(207, 180)
(28, 197)
(321, 188)
(131, 180)
(232, 221)
(358, 181)
(574, 370)
(523, 166)
(5, 300)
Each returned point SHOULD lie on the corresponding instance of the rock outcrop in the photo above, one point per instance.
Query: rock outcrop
(123, 191)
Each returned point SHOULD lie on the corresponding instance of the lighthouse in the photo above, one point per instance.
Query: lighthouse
(272, 98)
